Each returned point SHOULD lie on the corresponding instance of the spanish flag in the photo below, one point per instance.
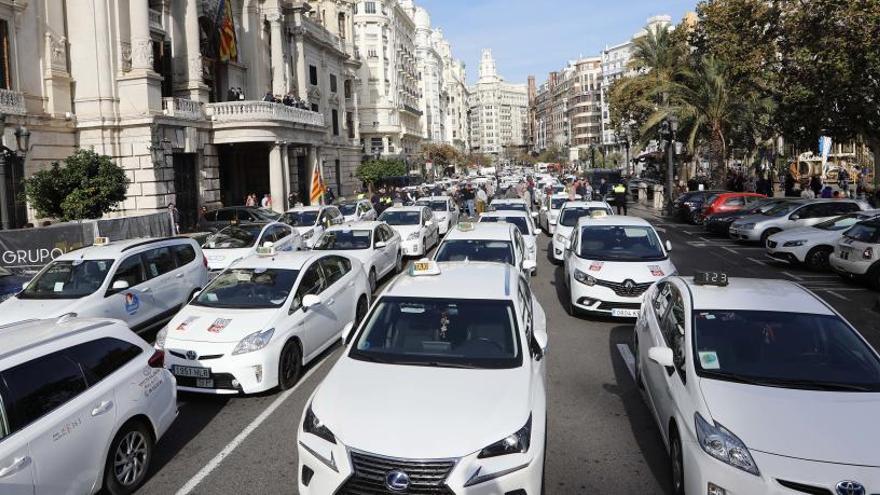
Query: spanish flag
(318, 189)
(227, 49)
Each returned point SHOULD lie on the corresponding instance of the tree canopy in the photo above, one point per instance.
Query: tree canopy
(375, 171)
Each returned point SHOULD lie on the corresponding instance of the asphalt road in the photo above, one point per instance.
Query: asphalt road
(602, 437)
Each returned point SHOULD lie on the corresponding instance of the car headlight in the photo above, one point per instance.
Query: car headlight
(747, 226)
(723, 445)
(868, 253)
(516, 443)
(584, 278)
(161, 336)
(308, 234)
(797, 243)
(254, 342)
(311, 424)
(559, 238)
(413, 236)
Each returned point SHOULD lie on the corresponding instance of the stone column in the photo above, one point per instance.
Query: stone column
(302, 89)
(285, 164)
(90, 64)
(141, 88)
(274, 17)
(141, 42)
(195, 87)
(276, 176)
(356, 118)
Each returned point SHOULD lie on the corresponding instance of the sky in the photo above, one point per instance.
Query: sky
(539, 36)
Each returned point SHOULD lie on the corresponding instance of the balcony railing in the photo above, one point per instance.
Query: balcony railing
(156, 20)
(243, 111)
(183, 108)
(12, 102)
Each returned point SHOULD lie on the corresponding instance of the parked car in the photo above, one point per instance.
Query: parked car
(358, 211)
(83, 402)
(813, 245)
(523, 222)
(416, 226)
(217, 219)
(142, 282)
(10, 283)
(239, 241)
(857, 253)
(791, 215)
(374, 244)
(445, 211)
(311, 221)
(688, 206)
(719, 223)
(548, 215)
(727, 202)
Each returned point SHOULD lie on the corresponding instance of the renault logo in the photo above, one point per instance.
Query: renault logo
(397, 481)
(850, 488)
(629, 286)
(191, 355)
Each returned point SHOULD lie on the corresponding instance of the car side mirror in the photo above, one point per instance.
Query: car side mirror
(795, 216)
(668, 245)
(196, 295)
(429, 223)
(529, 265)
(381, 244)
(25, 285)
(542, 340)
(347, 331)
(268, 244)
(662, 356)
(310, 300)
(119, 285)
(538, 232)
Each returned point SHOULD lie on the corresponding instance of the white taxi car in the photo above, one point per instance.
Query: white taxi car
(445, 211)
(550, 208)
(489, 242)
(142, 282)
(569, 215)
(416, 226)
(259, 322)
(374, 244)
(82, 405)
(813, 245)
(611, 262)
(857, 253)
(235, 242)
(358, 211)
(311, 221)
(525, 225)
(468, 412)
(758, 387)
(505, 204)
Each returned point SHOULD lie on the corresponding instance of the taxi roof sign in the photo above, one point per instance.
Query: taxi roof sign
(424, 267)
(101, 241)
(598, 214)
(465, 226)
(718, 279)
(266, 251)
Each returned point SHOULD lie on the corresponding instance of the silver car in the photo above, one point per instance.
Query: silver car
(802, 213)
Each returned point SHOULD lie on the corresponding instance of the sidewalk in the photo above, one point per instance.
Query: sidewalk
(644, 211)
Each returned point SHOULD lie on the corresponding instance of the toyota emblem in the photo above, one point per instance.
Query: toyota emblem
(850, 488)
(191, 355)
(397, 481)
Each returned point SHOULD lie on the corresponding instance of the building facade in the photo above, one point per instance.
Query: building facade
(585, 107)
(499, 113)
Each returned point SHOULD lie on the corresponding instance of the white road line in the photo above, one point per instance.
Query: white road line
(691, 232)
(835, 294)
(729, 250)
(241, 437)
(791, 275)
(836, 277)
(628, 359)
(764, 263)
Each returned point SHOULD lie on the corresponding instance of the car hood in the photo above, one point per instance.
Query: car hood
(617, 271)
(563, 230)
(421, 412)
(405, 230)
(217, 325)
(15, 309)
(220, 259)
(821, 426)
(807, 234)
(753, 219)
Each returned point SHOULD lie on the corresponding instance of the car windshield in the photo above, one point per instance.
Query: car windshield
(440, 332)
(248, 288)
(864, 232)
(300, 218)
(841, 222)
(401, 217)
(556, 203)
(67, 280)
(344, 240)
(348, 209)
(620, 243)
(780, 209)
(475, 250)
(778, 349)
(521, 223)
(509, 207)
(266, 214)
(433, 205)
(4, 272)
(569, 216)
(235, 237)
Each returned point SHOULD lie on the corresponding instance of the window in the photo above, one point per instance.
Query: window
(313, 282)
(346, 88)
(184, 253)
(100, 358)
(225, 215)
(370, 7)
(38, 387)
(332, 83)
(5, 56)
(672, 327)
(315, 107)
(158, 261)
(313, 75)
(335, 118)
(335, 267)
(131, 270)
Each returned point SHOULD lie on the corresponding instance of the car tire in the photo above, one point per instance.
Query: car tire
(637, 369)
(874, 277)
(695, 218)
(817, 258)
(360, 311)
(289, 365)
(766, 235)
(398, 266)
(570, 308)
(133, 446)
(676, 460)
(372, 280)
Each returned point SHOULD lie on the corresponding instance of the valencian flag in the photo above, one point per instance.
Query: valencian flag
(227, 47)
(318, 189)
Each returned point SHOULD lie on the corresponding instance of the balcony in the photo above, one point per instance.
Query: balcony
(253, 111)
(156, 21)
(183, 108)
(12, 102)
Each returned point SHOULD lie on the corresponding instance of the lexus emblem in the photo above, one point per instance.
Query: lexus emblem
(191, 355)
(397, 481)
(850, 488)
(629, 286)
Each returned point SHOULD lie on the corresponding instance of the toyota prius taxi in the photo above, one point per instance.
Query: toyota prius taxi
(259, 322)
(611, 262)
(467, 408)
(758, 387)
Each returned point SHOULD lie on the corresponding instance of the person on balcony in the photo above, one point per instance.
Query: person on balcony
(268, 96)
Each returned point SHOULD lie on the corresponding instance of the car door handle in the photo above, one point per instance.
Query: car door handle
(102, 408)
(146, 289)
(16, 466)
(179, 275)
(330, 301)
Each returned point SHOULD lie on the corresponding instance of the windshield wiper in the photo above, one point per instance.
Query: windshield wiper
(436, 364)
(784, 383)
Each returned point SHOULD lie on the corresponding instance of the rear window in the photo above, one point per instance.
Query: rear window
(38, 387)
(100, 358)
(185, 254)
(864, 232)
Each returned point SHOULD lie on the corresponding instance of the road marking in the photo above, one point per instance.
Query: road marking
(791, 275)
(764, 263)
(835, 294)
(241, 437)
(729, 250)
(691, 232)
(628, 359)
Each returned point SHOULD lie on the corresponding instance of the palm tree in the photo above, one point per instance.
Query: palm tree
(658, 53)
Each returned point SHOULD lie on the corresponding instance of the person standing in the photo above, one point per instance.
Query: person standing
(603, 189)
(175, 219)
(251, 200)
(469, 199)
(266, 201)
(482, 200)
(620, 198)
(843, 181)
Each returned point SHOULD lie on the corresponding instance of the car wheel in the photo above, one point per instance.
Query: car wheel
(874, 277)
(289, 365)
(360, 311)
(817, 258)
(766, 235)
(637, 369)
(129, 459)
(695, 218)
(372, 280)
(398, 266)
(571, 309)
(677, 461)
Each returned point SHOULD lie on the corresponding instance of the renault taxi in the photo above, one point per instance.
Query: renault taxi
(239, 241)
(569, 215)
(610, 263)
(758, 387)
(416, 227)
(468, 412)
(525, 225)
(259, 322)
(374, 244)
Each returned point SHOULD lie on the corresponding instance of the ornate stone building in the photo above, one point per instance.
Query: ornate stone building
(499, 111)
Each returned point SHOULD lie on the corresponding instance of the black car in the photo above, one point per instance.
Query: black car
(688, 206)
(222, 217)
(719, 223)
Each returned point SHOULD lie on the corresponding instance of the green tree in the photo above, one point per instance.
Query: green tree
(441, 155)
(86, 186)
(375, 172)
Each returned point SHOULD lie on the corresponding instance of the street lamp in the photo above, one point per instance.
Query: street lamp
(22, 139)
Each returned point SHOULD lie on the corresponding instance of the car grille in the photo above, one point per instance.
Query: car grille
(621, 290)
(427, 477)
(612, 305)
(208, 357)
(800, 487)
(772, 244)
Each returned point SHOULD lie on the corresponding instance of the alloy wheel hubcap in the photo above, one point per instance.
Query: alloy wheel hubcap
(130, 460)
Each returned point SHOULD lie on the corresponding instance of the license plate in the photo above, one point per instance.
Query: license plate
(204, 383)
(190, 372)
(625, 313)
